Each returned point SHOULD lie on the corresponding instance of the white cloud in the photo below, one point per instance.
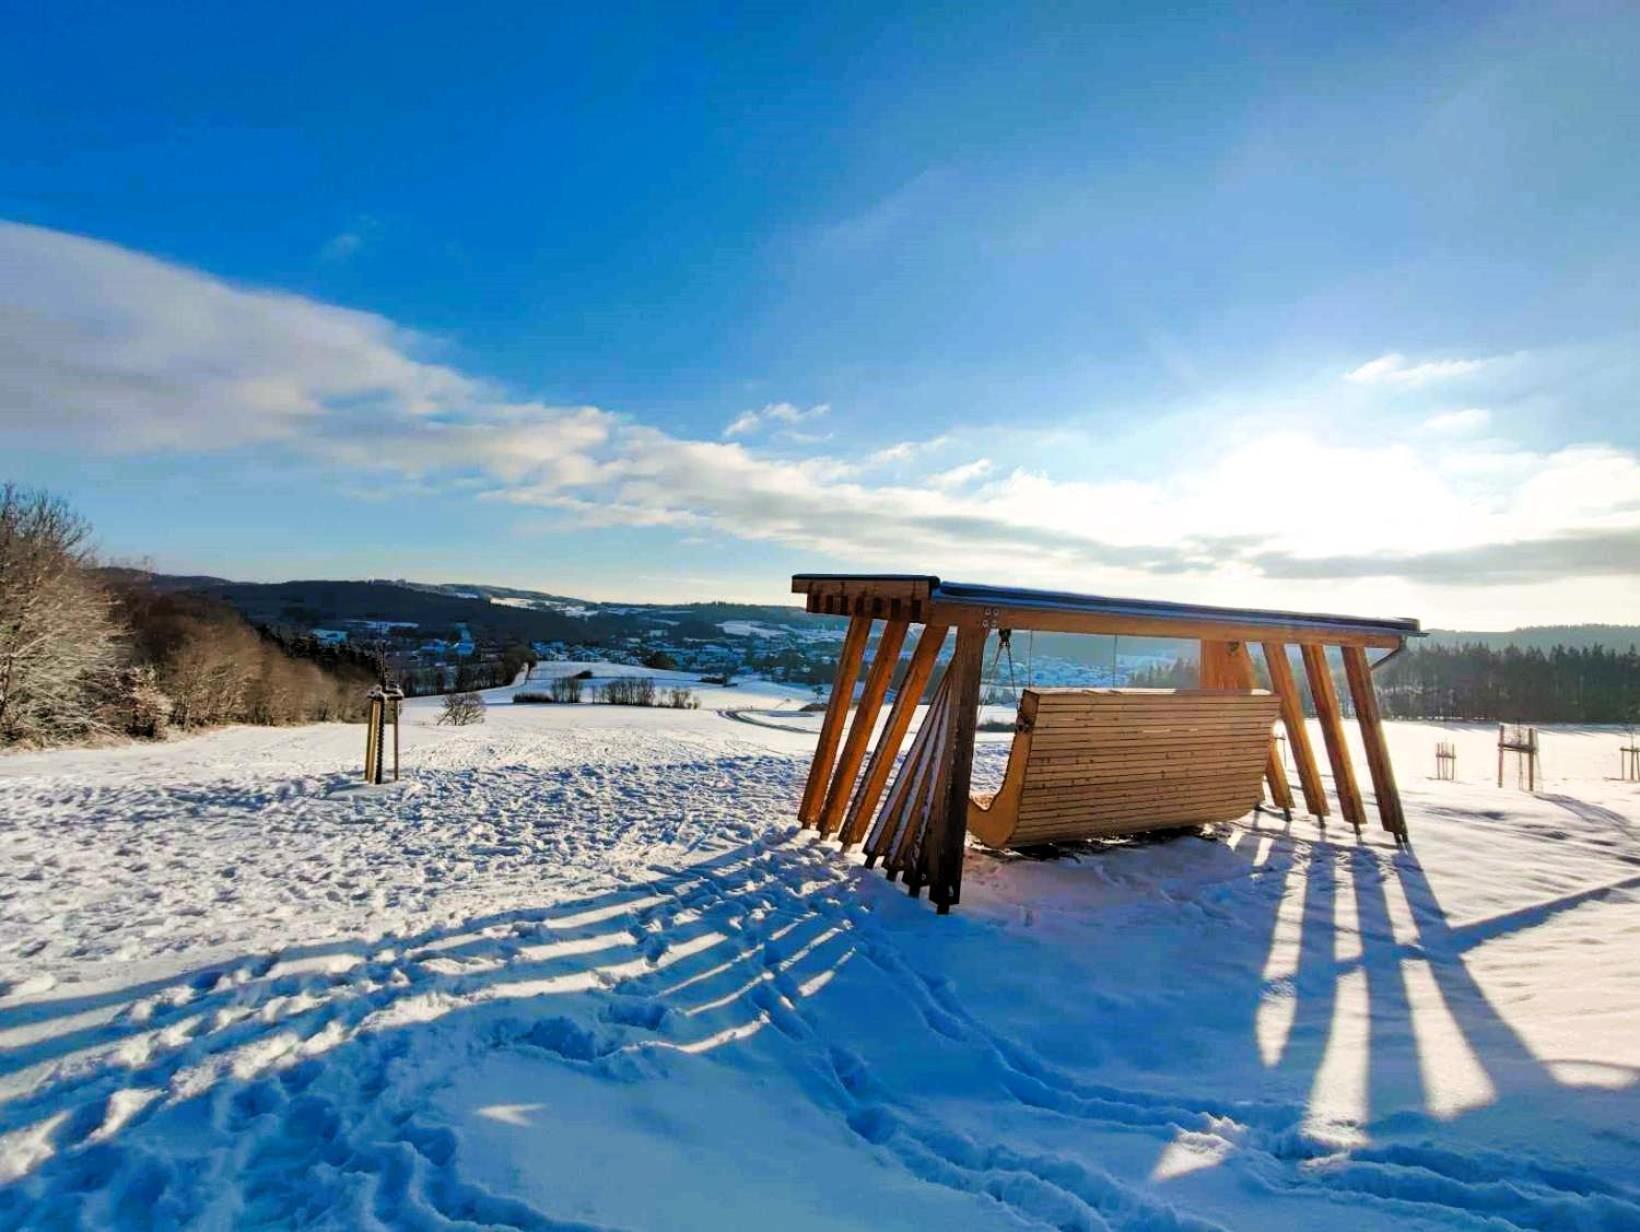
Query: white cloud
(1470, 419)
(1394, 370)
(960, 476)
(905, 451)
(743, 423)
(776, 412)
(101, 348)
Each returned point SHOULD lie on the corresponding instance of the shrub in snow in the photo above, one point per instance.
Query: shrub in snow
(136, 705)
(565, 689)
(462, 709)
(682, 699)
(58, 635)
(629, 691)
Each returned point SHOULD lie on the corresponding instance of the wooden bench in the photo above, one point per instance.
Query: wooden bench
(1088, 763)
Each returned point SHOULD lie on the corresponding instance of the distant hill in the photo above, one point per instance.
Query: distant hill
(503, 613)
(491, 613)
(1543, 637)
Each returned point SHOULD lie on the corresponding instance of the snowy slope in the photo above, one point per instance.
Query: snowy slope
(578, 970)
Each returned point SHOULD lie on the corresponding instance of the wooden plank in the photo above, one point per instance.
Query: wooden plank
(949, 825)
(865, 721)
(1131, 746)
(1332, 733)
(962, 614)
(912, 784)
(907, 850)
(1359, 674)
(1298, 735)
(1084, 784)
(900, 715)
(915, 856)
(831, 729)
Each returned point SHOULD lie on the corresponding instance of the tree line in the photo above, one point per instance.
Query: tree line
(1582, 684)
(86, 653)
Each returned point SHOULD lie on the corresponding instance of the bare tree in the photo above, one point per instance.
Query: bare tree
(462, 709)
(58, 635)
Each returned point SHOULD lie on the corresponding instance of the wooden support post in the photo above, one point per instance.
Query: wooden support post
(1215, 671)
(900, 715)
(831, 729)
(381, 739)
(1292, 717)
(370, 743)
(1332, 733)
(395, 740)
(1238, 665)
(1359, 673)
(859, 732)
(948, 826)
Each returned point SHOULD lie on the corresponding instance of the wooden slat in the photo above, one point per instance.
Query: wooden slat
(885, 830)
(907, 852)
(1359, 674)
(1332, 734)
(831, 730)
(949, 826)
(888, 744)
(1079, 783)
(1130, 746)
(859, 732)
(1298, 735)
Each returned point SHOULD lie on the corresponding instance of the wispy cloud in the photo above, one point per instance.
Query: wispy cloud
(905, 451)
(341, 246)
(748, 422)
(107, 349)
(961, 476)
(1394, 369)
(347, 242)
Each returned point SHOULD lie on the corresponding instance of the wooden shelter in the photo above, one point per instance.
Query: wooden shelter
(917, 825)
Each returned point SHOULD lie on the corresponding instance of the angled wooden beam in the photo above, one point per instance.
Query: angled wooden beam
(886, 830)
(865, 720)
(1332, 734)
(948, 826)
(831, 730)
(911, 820)
(1359, 673)
(1239, 661)
(900, 715)
(1298, 735)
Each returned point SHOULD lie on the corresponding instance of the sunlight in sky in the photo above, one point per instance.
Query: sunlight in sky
(649, 334)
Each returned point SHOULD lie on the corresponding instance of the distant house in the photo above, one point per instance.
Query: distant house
(331, 637)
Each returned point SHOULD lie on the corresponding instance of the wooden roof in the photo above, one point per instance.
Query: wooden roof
(924, 598)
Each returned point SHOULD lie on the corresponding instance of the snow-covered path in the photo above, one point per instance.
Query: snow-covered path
(579, 970)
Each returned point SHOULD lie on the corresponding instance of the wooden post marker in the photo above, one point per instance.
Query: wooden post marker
(1523, 743)
(384, 708)
(1446, 761)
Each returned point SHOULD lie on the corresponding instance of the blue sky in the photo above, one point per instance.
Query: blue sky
(1277, 305)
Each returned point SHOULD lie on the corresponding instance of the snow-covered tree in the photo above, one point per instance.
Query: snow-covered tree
(58, 635)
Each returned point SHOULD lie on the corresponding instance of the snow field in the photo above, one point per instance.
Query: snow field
(579, 970)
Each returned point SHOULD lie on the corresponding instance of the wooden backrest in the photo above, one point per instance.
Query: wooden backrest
(1089, 762)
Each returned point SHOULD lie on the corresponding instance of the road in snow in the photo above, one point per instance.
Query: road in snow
(579, 970)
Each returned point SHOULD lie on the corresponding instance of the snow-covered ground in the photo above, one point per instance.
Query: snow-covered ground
(578, 970)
